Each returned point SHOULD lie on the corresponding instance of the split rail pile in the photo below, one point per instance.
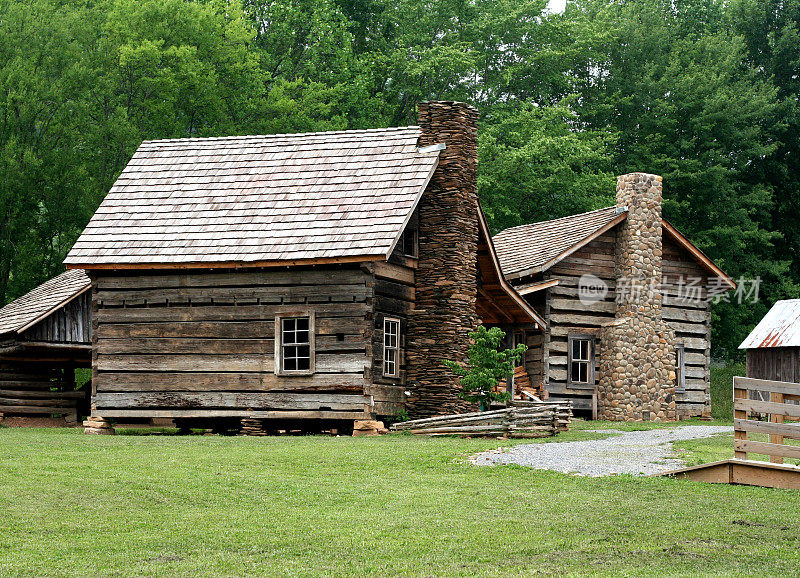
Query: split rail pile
(778, 409)
(522, 420)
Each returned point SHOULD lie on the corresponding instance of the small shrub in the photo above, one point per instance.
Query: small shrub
(487, 364)
(400, 416)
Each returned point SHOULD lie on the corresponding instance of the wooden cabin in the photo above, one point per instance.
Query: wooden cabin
(773, 347)
(626, 301)
(318, 276)
(44, 336)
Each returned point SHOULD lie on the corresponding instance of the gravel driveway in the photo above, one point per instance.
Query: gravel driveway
(637, 452)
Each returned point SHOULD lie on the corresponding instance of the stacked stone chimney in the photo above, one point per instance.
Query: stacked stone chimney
(637, 351)
(446, 285)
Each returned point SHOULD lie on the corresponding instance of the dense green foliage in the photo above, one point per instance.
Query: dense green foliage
(722, 389)
(704, 92)
(397, 505)
(487, 364)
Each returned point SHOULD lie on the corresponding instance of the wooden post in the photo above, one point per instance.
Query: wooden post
(510, 344)
(739, 414)
(776, 418)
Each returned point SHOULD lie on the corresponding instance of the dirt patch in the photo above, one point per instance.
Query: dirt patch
(35, 422)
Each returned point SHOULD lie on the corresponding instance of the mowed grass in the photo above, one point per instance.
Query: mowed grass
(720, 447)
(81, 505)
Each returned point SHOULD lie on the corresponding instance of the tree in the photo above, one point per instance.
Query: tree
(486, 366)
(534, 166)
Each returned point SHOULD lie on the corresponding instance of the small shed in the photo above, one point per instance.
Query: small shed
(773, 347)
(44, 336)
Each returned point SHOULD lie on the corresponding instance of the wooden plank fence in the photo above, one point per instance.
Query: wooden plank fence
(781, 404)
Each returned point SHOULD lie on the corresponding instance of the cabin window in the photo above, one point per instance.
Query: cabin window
(409, 242)
(391, 347)
(680, 368)
(519, 338)
(581, 360)
(295, 345)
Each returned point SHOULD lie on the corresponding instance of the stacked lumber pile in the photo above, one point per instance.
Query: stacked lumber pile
(522, 420)
(523, 387)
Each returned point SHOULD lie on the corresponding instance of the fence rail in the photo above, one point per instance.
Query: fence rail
(780, 392)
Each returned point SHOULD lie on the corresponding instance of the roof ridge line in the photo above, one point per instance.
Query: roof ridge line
(557, 219)
(282, 134)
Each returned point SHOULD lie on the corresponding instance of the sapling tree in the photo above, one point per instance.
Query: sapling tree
(486, 365)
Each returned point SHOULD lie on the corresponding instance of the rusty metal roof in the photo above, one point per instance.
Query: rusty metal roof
(259, 199)
(780, 327)
(42, 301)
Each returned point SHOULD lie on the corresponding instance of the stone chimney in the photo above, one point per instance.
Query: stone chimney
(637, 351)
(444, 312)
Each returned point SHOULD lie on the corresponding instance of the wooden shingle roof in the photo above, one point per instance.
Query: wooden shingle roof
(42, 301)
(259, 200)
(530, 249)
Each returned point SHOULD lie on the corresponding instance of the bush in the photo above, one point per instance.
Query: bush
(486, 366)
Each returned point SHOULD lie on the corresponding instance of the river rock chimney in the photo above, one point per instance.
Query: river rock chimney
(637, 360)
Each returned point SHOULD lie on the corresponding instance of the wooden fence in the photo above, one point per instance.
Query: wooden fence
(523, 419)
(781, 405)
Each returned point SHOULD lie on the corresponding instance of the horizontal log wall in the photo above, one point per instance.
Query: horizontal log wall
(69, 324)
(687, 310)
(567, 314)
(395, 294)
(534, 357)
(32, 390)
(205, 341)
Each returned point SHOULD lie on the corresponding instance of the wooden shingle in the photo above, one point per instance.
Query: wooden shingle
(41, 301)
(532, 248)
(259, 200)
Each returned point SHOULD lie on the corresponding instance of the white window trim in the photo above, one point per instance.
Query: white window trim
(591, 361)
(279, 343)
(396, 374)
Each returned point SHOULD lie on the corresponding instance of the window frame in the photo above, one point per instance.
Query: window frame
(279, 345)
(590, 362)
(680, 368)
(396, 348)
(414, 242)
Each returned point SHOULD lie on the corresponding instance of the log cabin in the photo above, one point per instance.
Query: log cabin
(319, 276)
(627, 303)
(44, 336)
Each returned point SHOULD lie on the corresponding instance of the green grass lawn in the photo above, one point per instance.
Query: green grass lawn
(122, 505)
(720, 447)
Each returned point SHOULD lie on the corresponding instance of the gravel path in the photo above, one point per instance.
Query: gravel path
(637, 452)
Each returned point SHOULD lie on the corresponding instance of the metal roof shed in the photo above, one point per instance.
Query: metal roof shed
(773, 347)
